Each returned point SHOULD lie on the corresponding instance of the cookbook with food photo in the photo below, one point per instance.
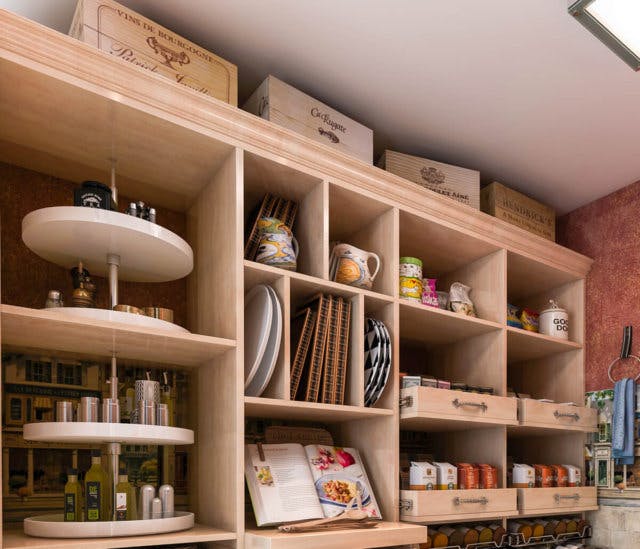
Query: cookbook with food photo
(289, 482)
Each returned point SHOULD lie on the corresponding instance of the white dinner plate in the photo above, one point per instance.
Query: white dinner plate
(258, 314)
(270, 357)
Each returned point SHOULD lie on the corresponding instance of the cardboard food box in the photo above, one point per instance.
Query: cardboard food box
(460, 184)
(446, 476)
(519, 210)
(283, 104)
(422, 476)
(125, 34)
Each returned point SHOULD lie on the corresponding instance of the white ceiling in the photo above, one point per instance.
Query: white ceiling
(515, 89)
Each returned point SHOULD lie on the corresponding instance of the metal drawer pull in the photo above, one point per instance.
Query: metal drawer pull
(460, 403)
(558, 497)
(573, 415)
(459, 501)
(405, 505)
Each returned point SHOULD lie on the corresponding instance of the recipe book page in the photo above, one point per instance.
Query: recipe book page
(339, 476)
(281, 486)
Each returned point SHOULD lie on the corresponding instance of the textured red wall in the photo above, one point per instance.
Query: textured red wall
(608, 230)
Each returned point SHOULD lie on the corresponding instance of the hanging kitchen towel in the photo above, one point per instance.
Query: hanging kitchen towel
(622, 423)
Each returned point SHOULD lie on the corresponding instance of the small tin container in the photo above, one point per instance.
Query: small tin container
(457, 386)
(147, 495)
(443, 384)
(64, 410)
(88, 409)
(411, 288)
(410, 267)
(554, 321)
(161, 313)
(166, 495)
(93, 194)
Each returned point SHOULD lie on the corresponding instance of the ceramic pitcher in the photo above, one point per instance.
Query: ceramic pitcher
(278, 247)
(350, 265)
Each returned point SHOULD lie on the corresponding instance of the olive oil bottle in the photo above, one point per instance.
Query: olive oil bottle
(97, 490)
(126, 508)
(72, 497)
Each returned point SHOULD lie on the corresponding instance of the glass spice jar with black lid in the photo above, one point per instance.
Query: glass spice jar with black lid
(93, 194)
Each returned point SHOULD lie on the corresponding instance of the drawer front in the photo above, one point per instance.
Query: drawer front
(530, 499)
(426, 503)
(549, 413)
(460, 404)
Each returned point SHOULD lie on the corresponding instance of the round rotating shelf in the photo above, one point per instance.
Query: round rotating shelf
(148, 252)
(81, 432)
(117, 316)
(54, 526)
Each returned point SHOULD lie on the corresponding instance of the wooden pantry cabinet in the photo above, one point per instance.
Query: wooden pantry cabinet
(70, 111)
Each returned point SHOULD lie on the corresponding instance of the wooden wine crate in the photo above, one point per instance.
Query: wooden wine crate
(518, 209)
(117, 30)
(460, 184)
(283, 104)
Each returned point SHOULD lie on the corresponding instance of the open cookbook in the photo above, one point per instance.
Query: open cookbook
(295, 482)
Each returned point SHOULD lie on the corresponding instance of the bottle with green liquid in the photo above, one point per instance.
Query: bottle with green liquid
(97, 490)
(126, 508)
(72, 497)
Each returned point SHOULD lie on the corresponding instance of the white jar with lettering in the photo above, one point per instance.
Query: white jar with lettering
(554, 321)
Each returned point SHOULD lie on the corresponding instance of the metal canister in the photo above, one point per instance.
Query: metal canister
(147, 390)
(410, 267)
(146, 412)
(554, 321)
(147, 495)
(110, 410)
(64, 410)
(88, 409)
(165, 493)
(156, 508)
(162, 414)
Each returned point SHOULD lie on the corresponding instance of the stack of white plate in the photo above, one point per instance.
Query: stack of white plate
(262, 334)
(377, 360)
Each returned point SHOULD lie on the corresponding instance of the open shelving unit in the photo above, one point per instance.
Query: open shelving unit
(211, 164)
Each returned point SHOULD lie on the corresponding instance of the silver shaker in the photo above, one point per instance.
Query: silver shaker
(147, 495)
(165, 493)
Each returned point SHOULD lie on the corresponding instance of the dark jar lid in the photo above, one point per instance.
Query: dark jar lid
(95, 185)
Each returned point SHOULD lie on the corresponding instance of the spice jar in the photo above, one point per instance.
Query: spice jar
(54, 299)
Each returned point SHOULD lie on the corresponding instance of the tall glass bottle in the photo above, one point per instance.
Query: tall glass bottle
(97, 490)
(126, 507)
(72, 497)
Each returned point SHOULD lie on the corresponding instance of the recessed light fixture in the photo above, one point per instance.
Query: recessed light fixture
(614, 22)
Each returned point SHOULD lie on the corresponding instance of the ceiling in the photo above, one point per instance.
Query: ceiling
(517, 90)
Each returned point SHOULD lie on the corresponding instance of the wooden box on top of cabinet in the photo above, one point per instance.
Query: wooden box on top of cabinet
(123, 33)
(283, 104)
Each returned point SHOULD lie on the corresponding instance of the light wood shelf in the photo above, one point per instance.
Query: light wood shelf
(14, 538)
(525, 345)
(28, 329)
(431, 326)
(183, 150)
(384, 535)
(273, 408)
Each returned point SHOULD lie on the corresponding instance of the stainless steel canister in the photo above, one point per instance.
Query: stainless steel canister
(88, 409)
(147, 390)
(110, 410)
(64, 410)
(146, 412)
(156, 508)
(162, 414)
(147, 494)
(165, 493)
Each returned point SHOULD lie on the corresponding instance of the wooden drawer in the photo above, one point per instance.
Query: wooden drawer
(458, 405)
(448, 505)
(548, 414)
(553, 499)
